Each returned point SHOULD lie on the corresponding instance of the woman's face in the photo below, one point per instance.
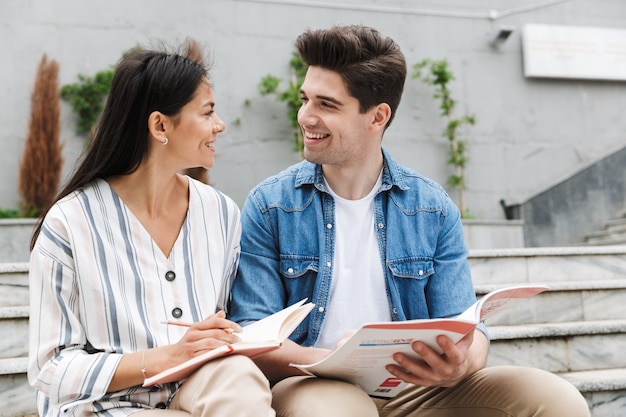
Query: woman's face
(196, 130)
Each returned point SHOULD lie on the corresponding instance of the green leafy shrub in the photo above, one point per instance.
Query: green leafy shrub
(437, 74)
(86, 97)
(270, 84)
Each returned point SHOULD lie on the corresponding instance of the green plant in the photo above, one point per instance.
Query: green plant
(86, 97)
(270, 84)
(437, 74)
(9, 213)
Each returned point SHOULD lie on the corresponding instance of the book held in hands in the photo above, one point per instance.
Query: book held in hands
(256, 338)
(362, 358)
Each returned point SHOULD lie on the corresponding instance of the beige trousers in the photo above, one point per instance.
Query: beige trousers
(231, 386)
(491, 392)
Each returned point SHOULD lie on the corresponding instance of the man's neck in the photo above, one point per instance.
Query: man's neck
(353, 182)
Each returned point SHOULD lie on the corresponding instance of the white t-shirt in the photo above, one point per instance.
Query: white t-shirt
(358, 294)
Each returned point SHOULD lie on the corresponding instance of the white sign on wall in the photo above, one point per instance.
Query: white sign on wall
(574, 52)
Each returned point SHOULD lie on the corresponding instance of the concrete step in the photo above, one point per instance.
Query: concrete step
(604, 390)
(560, 347)
(16, 395)
(614, 232)
(606, 239)
(573, 329)
(547, 265)
(564, 302)
(13, 331)
(13, 284)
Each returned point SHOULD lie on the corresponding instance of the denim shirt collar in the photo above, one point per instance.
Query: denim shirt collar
(311, 174)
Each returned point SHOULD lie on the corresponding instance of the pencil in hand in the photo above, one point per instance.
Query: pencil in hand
(185, 324)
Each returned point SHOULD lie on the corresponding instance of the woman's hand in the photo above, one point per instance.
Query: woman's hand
(203, 336)
(208, 334)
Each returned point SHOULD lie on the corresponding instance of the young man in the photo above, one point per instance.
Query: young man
(367, 240)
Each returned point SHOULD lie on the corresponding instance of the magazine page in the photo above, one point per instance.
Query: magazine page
(362, 358)
(496, 300)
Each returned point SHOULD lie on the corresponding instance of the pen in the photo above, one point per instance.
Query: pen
(185, 324)
(176, 323)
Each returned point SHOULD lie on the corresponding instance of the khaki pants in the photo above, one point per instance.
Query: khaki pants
(231, 386)
(491, 392)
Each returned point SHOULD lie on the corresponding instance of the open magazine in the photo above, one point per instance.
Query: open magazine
(362, 358)
(256, 338)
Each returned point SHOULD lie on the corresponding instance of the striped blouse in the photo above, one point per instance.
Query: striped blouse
(100, 287)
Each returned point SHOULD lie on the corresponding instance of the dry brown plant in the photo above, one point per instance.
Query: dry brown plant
(42, 161)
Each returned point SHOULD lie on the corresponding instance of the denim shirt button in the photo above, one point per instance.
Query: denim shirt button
(290, 270)
(329, 226)
(420, 272)
(381, 225)
(328, 264)
(321, 309)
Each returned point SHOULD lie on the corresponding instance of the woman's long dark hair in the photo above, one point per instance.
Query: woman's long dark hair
(145, 81)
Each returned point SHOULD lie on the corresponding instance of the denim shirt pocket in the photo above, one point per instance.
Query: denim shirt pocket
(299, 276)
(411, 268)
(297, 267)
(408, 287)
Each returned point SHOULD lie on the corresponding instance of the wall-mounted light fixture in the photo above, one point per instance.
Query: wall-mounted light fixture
(500, 34)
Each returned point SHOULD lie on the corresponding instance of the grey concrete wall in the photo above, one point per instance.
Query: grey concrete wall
(564, 214)
(530, 133)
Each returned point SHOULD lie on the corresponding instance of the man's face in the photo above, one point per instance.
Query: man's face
(334, 130)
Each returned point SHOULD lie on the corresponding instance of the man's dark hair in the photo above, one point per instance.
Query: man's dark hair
(372, 66)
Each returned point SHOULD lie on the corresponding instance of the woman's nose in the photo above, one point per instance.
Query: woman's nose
(220, 126)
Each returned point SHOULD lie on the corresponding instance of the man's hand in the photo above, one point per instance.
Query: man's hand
(442, 370)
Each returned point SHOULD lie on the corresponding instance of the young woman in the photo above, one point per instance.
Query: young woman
(131, 244)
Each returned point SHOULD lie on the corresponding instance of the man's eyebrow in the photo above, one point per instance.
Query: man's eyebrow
(331, 99)
(210, 104)
(326, 98)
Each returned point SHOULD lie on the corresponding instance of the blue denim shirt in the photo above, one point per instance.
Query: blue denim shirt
(288, 237)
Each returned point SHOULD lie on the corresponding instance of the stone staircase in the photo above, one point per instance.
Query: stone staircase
(577, 329)
(16, 396)
(614, 233)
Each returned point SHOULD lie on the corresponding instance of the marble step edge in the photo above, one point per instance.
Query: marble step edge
(606, 284)
(548, 251)
(607, 240)
(473, 253)
(615, 231)
(13, 267)
(564, 329)
(14, 312)
(597, 380)
(12, 366)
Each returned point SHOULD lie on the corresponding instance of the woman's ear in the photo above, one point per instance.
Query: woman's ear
(157, 126)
